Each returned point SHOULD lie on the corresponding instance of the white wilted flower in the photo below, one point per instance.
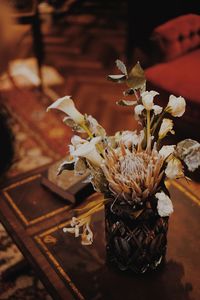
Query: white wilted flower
(76, 225)
(157, 109)
(89, 151)
(165, 151)
(164, 206)
(147, 99)
(129, 138)
(166, 126)
(174, 169)
(189, 151)
(139, 109)
(176, 106)
(94, 127)
(76, 141)
(87, 236)
(66, 105)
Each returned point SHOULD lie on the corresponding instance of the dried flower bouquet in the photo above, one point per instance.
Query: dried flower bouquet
(129, 169)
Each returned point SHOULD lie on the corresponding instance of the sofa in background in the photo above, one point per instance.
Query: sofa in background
(177, 71)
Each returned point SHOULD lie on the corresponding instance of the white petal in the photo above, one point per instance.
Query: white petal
(89, 151)
(66, 105)
(176, 106)
(165, 151)
(164, 205)
(139, 109)
(157, 109)
(147, 99)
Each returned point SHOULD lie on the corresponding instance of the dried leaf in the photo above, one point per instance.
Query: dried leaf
(136, 77)
(121, 66)
(69, 122)
(65, 166)
(126, 103)
(80, 166)
(128, 92)
(117, 78)
(189, 151)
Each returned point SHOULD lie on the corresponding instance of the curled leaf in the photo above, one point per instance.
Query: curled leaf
(121, 66)
(136, 77)
(189, 151)
(80, 166)
(126, 103)
(117, 78)
(66, 165)
(69, 122)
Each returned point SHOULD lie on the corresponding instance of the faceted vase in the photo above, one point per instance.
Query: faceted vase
(136, 238)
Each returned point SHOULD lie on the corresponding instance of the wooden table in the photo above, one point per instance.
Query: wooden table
(34, 217)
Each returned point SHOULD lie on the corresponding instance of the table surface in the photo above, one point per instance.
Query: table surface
(34, 217)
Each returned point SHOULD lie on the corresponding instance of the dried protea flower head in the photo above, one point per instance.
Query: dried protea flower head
(134, 174)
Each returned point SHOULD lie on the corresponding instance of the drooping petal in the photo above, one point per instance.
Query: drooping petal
(165, 151)
(164, 205)
(89, 151)
(174, 169)
(157, 109)
(139, 109)
(176, 106)
(166, 126)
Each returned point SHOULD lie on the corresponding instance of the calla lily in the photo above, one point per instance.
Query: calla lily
(66, 105)
(89, 151)
(147, 99)
(174, 169)
(166, 126)
(164, 206)
(176, 106)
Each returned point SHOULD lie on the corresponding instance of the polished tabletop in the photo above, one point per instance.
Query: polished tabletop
(35, 218)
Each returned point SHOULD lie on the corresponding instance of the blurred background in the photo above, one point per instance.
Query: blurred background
(53, 48)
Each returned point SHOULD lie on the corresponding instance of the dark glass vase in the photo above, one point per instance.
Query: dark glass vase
(136, 239)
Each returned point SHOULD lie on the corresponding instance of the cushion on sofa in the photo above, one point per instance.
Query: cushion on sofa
(180, 77)
(178, 36)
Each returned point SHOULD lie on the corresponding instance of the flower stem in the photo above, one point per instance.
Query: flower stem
(158, 122)
(87, 130)
(148, 129)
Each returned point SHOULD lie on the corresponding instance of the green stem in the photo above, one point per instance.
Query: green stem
(158, 122)
(148, 129)
(87, 130)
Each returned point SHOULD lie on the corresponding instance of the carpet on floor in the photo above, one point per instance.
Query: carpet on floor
(39, 139)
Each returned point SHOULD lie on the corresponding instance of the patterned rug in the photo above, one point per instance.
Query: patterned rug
(39, 138)
(23, 285)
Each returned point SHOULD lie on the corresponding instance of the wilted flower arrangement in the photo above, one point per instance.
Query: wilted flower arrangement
(129, 169)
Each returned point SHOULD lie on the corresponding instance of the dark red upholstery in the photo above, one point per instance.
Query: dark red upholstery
(179, 77)
(179, 71)
(178, 36)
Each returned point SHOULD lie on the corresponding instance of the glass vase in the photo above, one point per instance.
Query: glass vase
(136, 238)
